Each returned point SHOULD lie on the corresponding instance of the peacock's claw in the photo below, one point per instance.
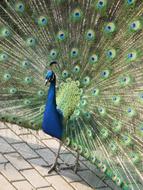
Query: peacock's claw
(54, 167)
(71, 167)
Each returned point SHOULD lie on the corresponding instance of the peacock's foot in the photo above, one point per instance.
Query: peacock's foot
(74, 167)
(53, 167)
(57, 167)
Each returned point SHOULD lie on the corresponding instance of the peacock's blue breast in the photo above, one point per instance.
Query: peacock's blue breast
(52, 122)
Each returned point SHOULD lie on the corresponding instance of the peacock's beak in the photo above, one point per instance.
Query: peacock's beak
(46, 82)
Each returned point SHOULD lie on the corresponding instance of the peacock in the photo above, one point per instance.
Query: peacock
(74, 69)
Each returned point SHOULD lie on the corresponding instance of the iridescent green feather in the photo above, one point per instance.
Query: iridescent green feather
(98, 47)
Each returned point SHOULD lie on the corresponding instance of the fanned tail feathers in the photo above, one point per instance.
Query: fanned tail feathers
(99, 45)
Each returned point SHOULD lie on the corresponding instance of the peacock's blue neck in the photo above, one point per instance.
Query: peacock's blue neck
(52, 123)
(51, 97)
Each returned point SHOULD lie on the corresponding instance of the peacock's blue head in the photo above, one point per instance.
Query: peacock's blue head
(50, 77)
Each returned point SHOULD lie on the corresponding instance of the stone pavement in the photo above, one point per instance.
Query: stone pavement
(23, 153)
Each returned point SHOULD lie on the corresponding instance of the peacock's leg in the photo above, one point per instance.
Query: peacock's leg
(76, 163)
(54, 165)
(73, 167)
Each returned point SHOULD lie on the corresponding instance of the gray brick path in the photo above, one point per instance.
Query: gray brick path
(23, 153)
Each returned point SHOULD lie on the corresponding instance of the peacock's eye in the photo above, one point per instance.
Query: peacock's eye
(76, 69)
(101, 4)
(130, 2)
(77, 112)
(105, 74)
(140, 128)
(27, 102)
(5, 32)
(28, 80)
(61, 36)
(140, 95)
(41, 93)
(135, 26)
(87, 115)
(95, 92)
(90, 35)
(31, 42)
(12, 90)
(101, 110)
(3, 57)
(76, 15)
(86, 80)
(42, 21)
(130, 112)
(116, 99)
(112, 146)
(111, 53)
(93, 59)
(125, 138)
(124, 80)
(53, 54)
(83, 102)
(104, 131)
(7, 76)
(65, 74)
(110, 27)
(20, 7)
(25, 63)
(131, 56)
(118, 181)
(74, 53)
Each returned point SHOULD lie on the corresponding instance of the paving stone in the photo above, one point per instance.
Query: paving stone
(32, 141)
(91, 179)
(94, 169)
(17, 161)
(70, 176)
(2, 159)
(70, 159)
(10, 172)
(5, 147)
(104, 188)
(5, 185)
(47, 155)
(46, 188)
(82, 158)
(40, 135)
(38, 165)
(59, 183)
(2, 126)
(35, 178)
(54, 145)
(81, 186)
(27, 154)
(10, 136)
(111, 184)
(25, 150)
(18, 130)
(23, 185)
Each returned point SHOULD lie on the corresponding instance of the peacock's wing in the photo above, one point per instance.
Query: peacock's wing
(98, 44)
